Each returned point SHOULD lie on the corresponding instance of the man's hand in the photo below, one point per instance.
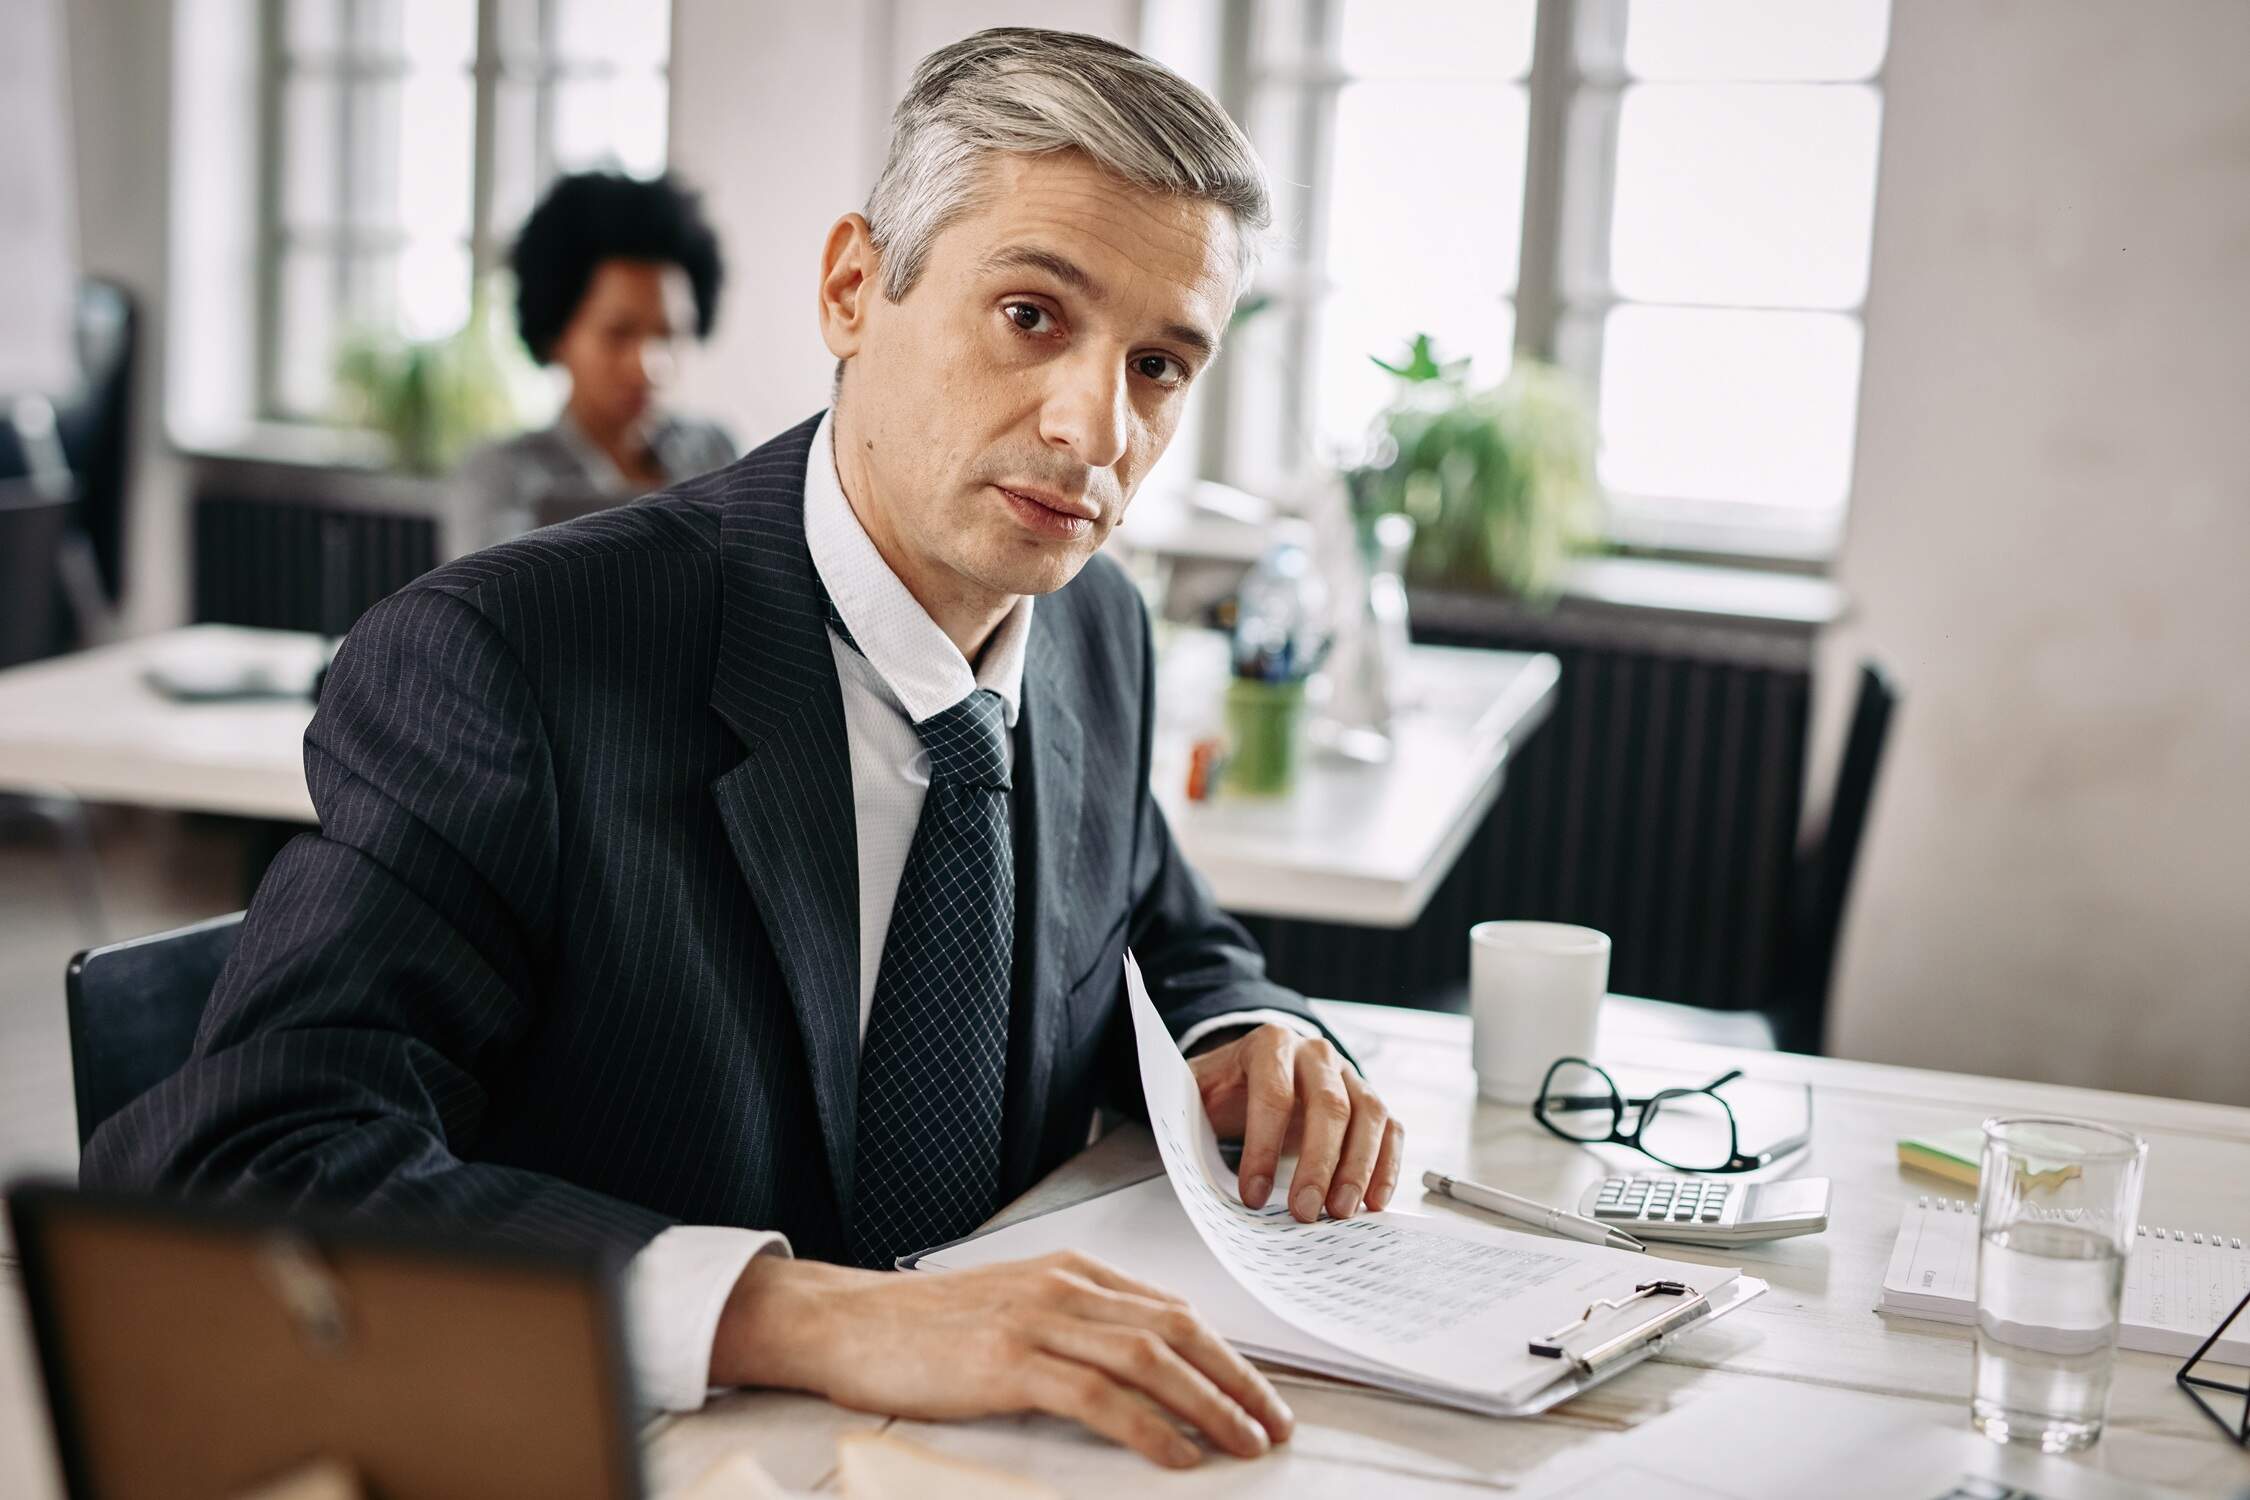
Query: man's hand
(1274, 1090)
(1063, 1334)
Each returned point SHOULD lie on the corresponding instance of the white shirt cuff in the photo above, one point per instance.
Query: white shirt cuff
(1202, 1029)
(675, 1290)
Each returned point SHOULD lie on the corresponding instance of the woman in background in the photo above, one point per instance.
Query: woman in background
(611, 273)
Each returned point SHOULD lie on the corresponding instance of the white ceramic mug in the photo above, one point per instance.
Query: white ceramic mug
(1535, 992)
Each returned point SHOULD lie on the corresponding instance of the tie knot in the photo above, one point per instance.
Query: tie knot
(968, 742)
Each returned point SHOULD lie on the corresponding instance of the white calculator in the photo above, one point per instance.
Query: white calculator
(1709, 1210)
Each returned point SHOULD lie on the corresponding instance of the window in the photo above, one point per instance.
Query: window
(1396, 143)
(1674, 199)
(407, 140)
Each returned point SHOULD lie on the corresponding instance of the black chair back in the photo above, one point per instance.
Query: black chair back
(32, 527)
(1825, 865)
(134, 1007)
(95, 424)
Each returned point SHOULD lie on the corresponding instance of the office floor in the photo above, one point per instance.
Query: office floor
(157, 871)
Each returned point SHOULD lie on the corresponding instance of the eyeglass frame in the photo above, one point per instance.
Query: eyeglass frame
(1619, 1101)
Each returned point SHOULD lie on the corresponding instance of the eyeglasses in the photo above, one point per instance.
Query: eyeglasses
(1689, 1130)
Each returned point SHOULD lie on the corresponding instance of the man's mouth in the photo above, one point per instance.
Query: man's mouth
(1082, 507)
(1050, 513)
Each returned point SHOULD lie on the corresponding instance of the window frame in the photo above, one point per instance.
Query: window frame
(1563, 292)
(489, 68)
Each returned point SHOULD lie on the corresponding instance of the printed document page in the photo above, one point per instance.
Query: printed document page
(1445, 1300)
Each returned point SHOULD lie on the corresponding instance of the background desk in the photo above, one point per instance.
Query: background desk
(1363, 844)
(1356, 843)
(1815, 1325)
(88, 724)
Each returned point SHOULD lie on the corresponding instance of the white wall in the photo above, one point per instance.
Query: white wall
(780, 113)
(2050, 545)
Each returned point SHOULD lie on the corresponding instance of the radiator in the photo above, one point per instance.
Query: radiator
(1659, 803)
(289, 565)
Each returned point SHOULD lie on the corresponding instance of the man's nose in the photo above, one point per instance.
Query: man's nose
(1085, 413)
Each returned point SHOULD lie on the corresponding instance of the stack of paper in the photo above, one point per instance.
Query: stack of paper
(1435, 1307)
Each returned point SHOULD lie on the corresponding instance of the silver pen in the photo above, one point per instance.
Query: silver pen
(1530, 1211)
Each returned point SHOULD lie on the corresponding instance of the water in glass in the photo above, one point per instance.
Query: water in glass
(2047, 1300)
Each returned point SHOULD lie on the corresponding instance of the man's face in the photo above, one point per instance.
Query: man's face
(1004, 411)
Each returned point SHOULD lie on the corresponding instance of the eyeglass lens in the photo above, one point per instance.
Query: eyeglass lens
(1691, 1131)
(1580, 1102)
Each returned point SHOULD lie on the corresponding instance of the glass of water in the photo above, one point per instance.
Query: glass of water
(2056, 1209)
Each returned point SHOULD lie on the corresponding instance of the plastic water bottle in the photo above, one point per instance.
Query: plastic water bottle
(1281, 620)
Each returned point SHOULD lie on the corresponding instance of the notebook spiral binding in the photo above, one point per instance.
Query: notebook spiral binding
(2141, 1231)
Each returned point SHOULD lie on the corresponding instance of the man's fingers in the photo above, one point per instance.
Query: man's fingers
(1196, 1343)
(1067, 1388)
(1140, 1359)
(1327, 1111)
(1363, 1140)
(1387, 1166)
(1272, 1096)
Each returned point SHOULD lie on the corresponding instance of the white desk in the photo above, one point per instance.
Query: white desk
(90, 725)
(1815, 1325)
(1365, 844)
(1355, 843)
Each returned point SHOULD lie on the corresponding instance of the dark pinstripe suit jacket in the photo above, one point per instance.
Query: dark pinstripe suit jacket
(574, 955)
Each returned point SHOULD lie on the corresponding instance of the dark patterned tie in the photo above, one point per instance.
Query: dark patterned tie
(933, 1068)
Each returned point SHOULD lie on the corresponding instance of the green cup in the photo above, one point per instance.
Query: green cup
(1263, 722)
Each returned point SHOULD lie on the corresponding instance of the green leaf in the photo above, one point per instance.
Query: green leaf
(1499, 482)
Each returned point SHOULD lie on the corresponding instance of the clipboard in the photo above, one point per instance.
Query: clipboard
(1628, 1336)
(1615, 1339)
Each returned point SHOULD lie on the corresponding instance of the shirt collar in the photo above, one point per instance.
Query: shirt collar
(916, 660)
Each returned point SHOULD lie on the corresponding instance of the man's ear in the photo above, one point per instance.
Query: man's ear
(849, 271)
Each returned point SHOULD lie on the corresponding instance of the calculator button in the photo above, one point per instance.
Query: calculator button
(1710, 1216)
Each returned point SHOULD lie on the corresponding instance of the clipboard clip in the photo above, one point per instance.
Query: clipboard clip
(1635, 1339)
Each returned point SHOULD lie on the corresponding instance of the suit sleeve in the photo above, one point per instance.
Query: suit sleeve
(1198, 963)
(391, 963)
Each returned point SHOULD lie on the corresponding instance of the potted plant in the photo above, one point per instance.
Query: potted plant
(1499, 482)
(435, 399)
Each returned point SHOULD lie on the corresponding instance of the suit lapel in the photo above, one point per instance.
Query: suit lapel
(1048, 745)
(787, 807)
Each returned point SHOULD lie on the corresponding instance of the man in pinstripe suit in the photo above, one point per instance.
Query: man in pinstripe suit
(741, 878)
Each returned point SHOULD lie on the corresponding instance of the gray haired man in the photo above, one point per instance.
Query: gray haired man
(741, 879)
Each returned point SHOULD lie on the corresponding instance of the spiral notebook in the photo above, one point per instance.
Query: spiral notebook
(2179, 1282)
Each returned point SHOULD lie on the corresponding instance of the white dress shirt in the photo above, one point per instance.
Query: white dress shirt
(905, 670)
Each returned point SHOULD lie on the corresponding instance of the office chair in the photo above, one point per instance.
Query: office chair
(33, 525)
(95, 423)
(134, 1007)
(1825, 863)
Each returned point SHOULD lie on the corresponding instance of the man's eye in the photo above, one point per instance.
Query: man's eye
(1028, 316)
(1161, 368)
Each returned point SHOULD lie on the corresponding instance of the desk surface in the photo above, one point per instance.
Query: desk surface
(90, 724)
(1815, 1325)
(1356, 843)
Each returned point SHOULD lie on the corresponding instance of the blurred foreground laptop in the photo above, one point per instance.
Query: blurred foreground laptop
(212, 1351)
